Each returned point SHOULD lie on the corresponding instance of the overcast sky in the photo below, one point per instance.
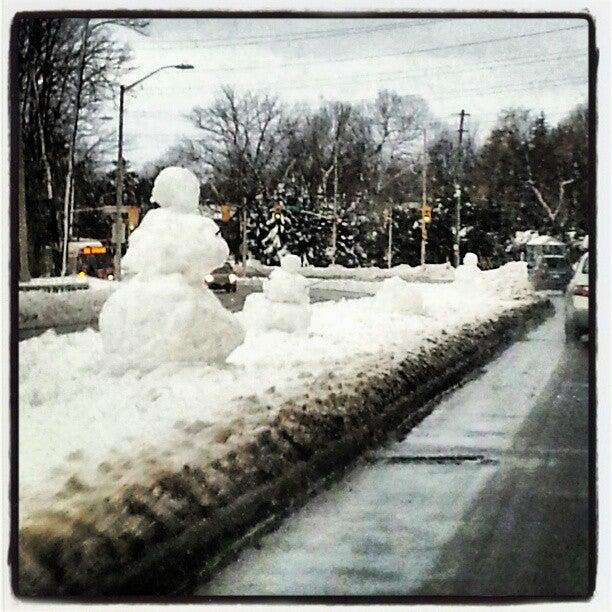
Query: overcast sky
(540, 64)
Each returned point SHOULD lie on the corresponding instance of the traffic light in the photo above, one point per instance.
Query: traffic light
(277, 210)
(426, 213)
(226, 213)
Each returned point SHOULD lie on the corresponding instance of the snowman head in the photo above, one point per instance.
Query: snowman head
(177, 189)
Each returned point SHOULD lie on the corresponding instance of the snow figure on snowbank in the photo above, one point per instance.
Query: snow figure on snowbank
(164, 312)
(284, 304)
(469, 273)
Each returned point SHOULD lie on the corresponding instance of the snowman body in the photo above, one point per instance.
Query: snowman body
(163, 311)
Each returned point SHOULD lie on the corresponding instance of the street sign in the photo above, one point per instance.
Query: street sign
(133, 217)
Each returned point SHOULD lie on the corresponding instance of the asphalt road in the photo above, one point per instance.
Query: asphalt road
(488, 496)
(235, 301)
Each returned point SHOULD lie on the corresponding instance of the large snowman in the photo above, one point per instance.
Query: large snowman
(163, 311)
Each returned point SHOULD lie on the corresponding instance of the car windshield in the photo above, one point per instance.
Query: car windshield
(585, 266)
(554, 263)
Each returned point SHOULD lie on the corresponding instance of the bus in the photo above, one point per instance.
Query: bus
(539, 246)
(88, 257)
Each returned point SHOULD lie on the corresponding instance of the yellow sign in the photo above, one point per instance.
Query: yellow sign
(133, 217)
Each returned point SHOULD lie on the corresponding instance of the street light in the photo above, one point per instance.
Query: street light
(118, 226)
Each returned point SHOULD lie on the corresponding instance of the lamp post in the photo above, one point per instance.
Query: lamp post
(118, 230)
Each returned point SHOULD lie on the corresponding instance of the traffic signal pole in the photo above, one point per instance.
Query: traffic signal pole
(424, 186)
(390, 243)
(459, 175)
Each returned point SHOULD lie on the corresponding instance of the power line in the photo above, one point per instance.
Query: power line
(281, 38)
(400, 74)
(398, 54)
(495, 88)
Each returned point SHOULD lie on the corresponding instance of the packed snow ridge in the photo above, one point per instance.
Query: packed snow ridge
(172, 378)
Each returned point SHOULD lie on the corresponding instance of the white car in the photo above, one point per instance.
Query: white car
(577, 301)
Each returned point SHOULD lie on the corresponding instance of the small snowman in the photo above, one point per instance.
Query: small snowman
(284, 304)
(469, 273)
(163, 311)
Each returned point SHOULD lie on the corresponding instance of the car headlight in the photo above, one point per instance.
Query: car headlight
(232, 278)
(110, 277)
(209, 278)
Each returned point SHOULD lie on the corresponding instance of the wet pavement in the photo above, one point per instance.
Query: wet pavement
(487, 496)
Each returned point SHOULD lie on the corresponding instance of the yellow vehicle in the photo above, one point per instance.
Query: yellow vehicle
(90, 258)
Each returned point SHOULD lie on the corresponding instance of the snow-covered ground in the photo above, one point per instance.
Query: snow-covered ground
(88, 423)
(372, 273)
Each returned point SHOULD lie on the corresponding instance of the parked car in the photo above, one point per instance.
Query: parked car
(551, 272)
(222, 278)
(577, 301)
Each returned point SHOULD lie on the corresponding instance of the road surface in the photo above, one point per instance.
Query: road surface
(487, 496)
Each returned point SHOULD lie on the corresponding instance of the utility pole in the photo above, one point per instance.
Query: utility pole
(424, 203)
(459, 176)
(335, 219)
(119, 226)
(244, 236)
(390, 242)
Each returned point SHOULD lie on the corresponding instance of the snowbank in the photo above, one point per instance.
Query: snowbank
(396, 294)
(373, 273)
(40, 308)
(510, 281)
(83, 410)
(146, 517)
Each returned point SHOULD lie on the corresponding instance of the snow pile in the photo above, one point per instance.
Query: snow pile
(165, 312)
(85, 421)
(398, 295)
(441, 272)
(510, 281)
(284, 304)
(41, 308)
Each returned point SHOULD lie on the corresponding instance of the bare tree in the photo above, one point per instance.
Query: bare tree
(242, 136)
